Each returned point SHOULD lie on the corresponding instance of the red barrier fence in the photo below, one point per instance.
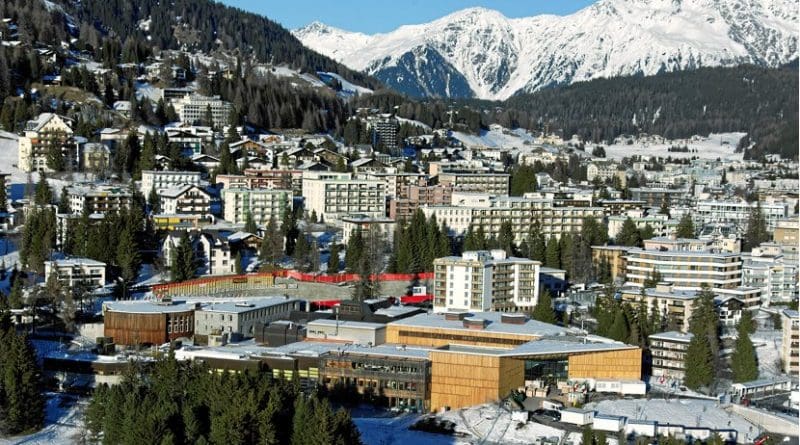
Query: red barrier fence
(346, 277)
(233, 283)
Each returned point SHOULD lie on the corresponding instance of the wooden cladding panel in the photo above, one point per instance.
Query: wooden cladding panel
(151, 328)
(459, 380)
(437, 337)
(621, 365)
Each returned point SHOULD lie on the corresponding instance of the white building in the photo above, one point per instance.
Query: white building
(192, 109)
(166, 179)
(683, 263)
(357, 332)
(766, 268)
(212, 252)
(47, 133)
(358, 223)
(604, 171)
(738, 212)
(237, 319)
(185, 200)
(98, 198)
(669, 355)
(261, 204)
(77, 272)
(485, 281)
(336, 196)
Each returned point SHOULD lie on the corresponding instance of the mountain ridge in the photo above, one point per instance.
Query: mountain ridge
(498, 57)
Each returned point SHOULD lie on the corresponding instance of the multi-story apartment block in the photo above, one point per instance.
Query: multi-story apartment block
(485, 281)
(668, 350)
(523, 213)
(790, 345)
(403, 208)
(679, 263)
(384, 131)
(185, 200)
(661, 224)
(492, 183)
(787, 232)
(98, 199)
(212, 250)
(194, 108)
(655, 196)
(738, 213)
(766, 268)
(261, 204)
(161, 180)
(336, 196)
(47, 134)
(77, 272)
(357, 223)
(605, 171)
(612, 257)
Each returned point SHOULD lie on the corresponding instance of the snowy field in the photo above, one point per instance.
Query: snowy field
(495, 139)
(768, 349)
(721, 145)
(703, 413)
(475, 425)
(63, 423)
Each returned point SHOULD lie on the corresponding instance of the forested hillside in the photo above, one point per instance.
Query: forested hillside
(206, 26)
(762, 102)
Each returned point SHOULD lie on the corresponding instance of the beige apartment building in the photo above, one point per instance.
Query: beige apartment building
(336, 196)
(521, 212)
(262, 204)
(485, 281)
(74, 272)
(681, 265)
(491, 183)
(790, 346)
(98, 199)
(47, 133)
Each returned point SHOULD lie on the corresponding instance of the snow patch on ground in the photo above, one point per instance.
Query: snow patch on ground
(716, 145)
(702, 413)
(348, 86)
(768, 349)
(413, 122)
(63, 423)
(478, 424)
(495, 139)
(151, 92)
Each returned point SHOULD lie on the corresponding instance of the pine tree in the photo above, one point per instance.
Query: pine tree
(552, 254)
(685, 227)
(271, 249)
(250, 224)
(744, 362)
(15, 297)
(629, 234)
(543, 311)
(3, 195)
(756, 232)
(333, 259)
(698, 365)
(21, 400)
(43, 194)
(183, 265)
(128, 258)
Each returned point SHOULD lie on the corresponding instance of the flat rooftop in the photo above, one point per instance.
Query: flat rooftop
(672, 336)
(347, 324)
(237, 307)
(493, 324)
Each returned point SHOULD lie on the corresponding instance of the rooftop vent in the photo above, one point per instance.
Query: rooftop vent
(513, 318)
(245, 304)
(455, 316)
(474, 323)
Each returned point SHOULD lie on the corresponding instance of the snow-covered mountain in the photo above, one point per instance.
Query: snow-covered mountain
(480, 53)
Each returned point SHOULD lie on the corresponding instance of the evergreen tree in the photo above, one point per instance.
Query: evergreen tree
(685, 227)
(744, 362)
(15, 297)
(756, 232)
(552, 254)
(301, 253)
(543, 311)
(333, 259)
(250, 224)
(155, 201)
(238, 270)
(271, 249)
(629, 234)
(183, 265)
(3, 195)
(43, 194)
(698, 363)
(127, 257)
(21, 400)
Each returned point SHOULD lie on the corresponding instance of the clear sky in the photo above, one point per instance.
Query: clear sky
(373, 16)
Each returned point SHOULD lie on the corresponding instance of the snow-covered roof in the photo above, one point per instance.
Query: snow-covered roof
(493, 324)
